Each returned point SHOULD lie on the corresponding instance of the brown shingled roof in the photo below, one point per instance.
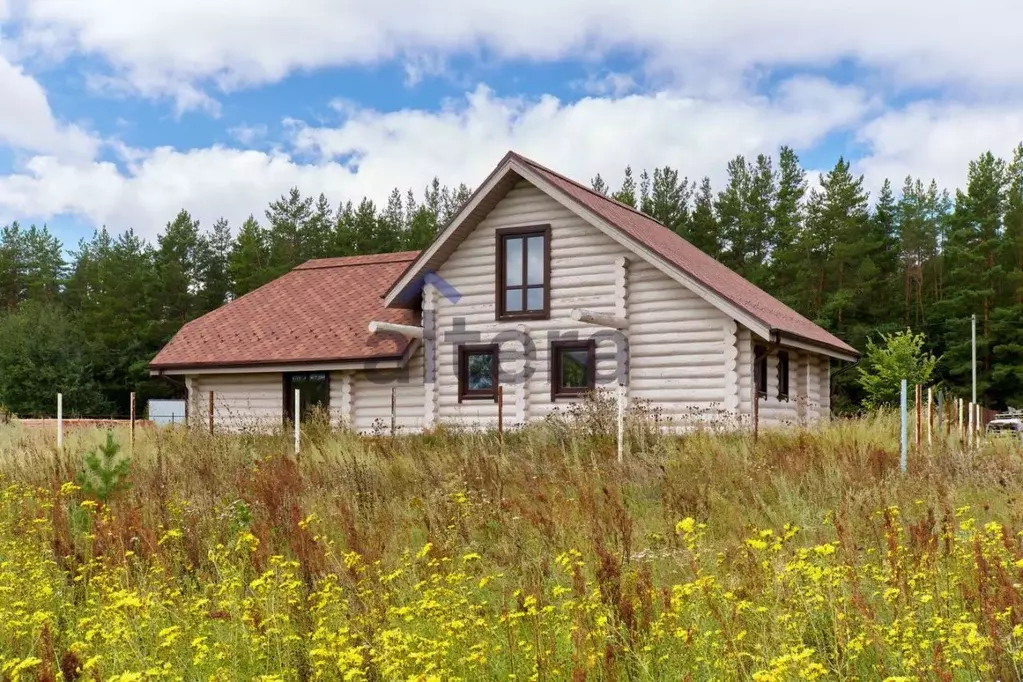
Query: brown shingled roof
(710, 273)
(318, 312)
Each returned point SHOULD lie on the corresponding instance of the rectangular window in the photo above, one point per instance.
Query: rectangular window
(760, 369)
(573, 368)
(477, 372)
(523, 273)
(783, 375)
(313, 393)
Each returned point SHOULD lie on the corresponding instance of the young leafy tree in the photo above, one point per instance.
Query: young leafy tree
(899, 356)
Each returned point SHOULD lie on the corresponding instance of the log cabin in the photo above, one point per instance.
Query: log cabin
(538, 291)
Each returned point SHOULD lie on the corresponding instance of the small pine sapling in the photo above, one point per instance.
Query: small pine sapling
(105, 473)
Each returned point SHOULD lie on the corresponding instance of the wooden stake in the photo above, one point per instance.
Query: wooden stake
(500, 414)
(919, 413)
(621, 422)
(211, 412)
(394, 411)
(132, 424)
(930, 415)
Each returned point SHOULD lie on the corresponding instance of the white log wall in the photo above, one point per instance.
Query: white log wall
(367, 405)
(241, 402)
(686, 359)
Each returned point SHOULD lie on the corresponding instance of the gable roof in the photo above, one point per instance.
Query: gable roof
(718, 284)
(319, 312)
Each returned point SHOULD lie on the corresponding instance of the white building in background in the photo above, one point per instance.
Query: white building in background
(539, 286)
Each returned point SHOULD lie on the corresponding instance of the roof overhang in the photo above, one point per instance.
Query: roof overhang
(339, 365)
(791, 341)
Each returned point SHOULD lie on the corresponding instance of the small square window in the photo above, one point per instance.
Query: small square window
(783, 375)
(477, 372)
(573, 368)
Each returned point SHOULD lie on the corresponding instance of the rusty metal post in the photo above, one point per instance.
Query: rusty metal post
(500, 413)
(211, 412)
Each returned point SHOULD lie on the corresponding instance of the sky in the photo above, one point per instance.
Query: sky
(122, 112)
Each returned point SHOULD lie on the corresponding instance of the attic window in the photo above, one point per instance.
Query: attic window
(523, 273)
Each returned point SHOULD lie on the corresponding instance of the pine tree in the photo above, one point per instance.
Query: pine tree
(215, 267)
(287, 221)
(703, 230)
(391, 225)
(837, 234)
(973, 272)
(317, 240)
(730, 211)
(599, 186)
(788, 259)
(670, 198)
(179, 268)
(757, 222)
(627, 194)
(249, 260)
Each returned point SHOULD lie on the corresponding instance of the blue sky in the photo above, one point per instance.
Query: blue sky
(120, 113)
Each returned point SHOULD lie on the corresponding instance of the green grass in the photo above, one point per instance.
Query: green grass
(439, 555)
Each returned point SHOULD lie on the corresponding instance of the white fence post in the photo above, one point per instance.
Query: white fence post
(905, 419)
(60, 421)
(298, 421)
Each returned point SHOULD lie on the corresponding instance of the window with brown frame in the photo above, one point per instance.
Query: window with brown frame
(477, 372)
(573, 368)
(524, 273)
(760, 370)
(783, 375)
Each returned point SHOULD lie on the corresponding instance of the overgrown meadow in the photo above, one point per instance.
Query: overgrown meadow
(804, 556)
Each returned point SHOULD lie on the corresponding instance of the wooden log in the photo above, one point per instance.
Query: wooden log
(600, 319)
(405, 330)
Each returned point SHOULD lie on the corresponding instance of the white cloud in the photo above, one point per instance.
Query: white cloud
(407, 148)
(609, 83)
(937, 140)
(27, 123)
(158, 46)
(248, 135)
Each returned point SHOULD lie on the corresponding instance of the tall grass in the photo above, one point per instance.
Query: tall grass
(805, 555)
